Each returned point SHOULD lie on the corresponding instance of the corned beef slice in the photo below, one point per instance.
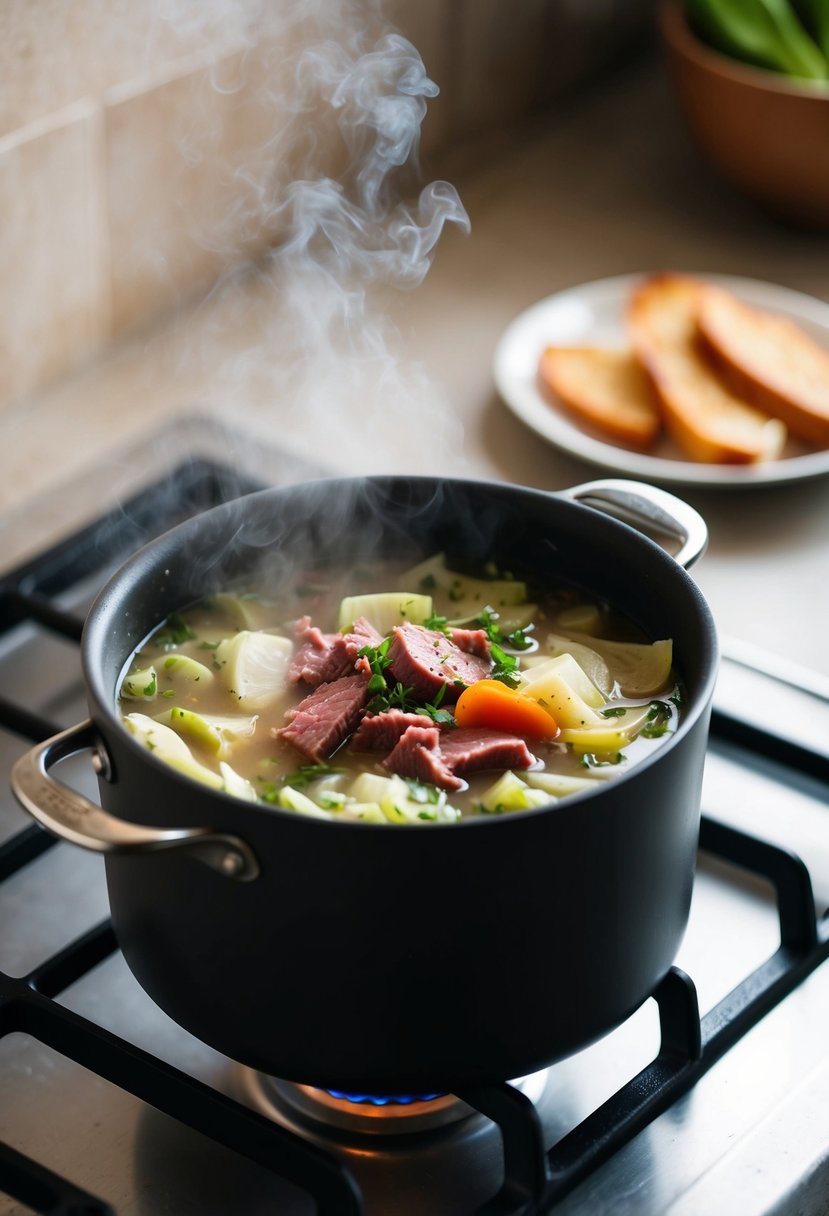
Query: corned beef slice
(425, 660)
(323, 657)
(319, 724)
(380, 732)
(440, 756)
(418, 754)
(473, 641)
(469, 748)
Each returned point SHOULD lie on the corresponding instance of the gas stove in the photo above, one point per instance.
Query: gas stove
(711, 1098)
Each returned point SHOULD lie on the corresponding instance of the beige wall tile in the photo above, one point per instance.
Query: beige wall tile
(189, 171)
(55, 52)
(55, 302)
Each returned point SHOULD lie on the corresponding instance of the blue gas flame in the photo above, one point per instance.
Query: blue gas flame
(383, 1099)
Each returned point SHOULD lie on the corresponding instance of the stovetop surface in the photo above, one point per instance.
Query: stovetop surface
(750, 1135)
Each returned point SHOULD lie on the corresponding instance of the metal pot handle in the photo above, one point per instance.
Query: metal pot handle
(642, 506)
(72, 817)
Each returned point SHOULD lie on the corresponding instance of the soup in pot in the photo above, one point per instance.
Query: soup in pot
(415, 696)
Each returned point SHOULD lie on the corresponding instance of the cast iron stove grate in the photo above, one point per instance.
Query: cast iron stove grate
(535, 1177)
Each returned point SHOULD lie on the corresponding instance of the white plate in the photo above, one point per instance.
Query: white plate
(594, 313)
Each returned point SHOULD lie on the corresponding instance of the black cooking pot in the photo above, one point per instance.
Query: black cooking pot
(392, 958)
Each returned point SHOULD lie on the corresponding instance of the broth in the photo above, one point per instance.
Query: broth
(550, 690)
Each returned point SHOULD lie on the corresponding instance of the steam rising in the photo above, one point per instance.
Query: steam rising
(351, 235)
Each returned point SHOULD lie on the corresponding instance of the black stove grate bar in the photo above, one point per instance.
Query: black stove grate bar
(525, 1164)
(191, 1102)
(770, 746)
(16, 607)
(23, 722)
(194, 486)
(22, 848)
(75, 960)
(783, 868)
(44, 1192)
(690, 1046)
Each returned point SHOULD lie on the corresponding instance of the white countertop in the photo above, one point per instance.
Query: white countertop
(606, 186)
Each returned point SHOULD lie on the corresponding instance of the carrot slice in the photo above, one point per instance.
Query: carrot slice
(490, 703)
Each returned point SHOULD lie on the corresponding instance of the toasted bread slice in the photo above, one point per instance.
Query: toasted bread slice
(771, 362)
(605, 389)
(707, 420)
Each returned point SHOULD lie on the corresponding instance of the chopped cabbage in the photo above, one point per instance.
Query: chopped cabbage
(254, 666)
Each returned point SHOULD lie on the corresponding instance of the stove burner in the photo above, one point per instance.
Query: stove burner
(318, 1109)
(361, 1113)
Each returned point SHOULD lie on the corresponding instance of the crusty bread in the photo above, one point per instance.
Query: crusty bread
(605, 389)
(770, 362)
(707, 420)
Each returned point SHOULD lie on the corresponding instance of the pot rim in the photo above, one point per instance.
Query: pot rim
(95, 626)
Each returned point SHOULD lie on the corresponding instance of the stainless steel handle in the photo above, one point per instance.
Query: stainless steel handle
(73, 818)
(643, 506)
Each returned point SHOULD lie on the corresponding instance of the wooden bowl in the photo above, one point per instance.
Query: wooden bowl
(763, 132)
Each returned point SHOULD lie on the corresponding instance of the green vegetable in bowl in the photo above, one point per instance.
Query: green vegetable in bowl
(815, 14)
(767, 33)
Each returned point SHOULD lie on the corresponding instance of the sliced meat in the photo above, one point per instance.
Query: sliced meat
(418, 754)
(467, 749)
(363, 633)
(380, 732)
(473, 641)
(425, 661)
(319, 724)
(323, 657)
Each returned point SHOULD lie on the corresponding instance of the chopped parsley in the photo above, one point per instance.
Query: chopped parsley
(173, 632)
(420, 792)
(441, 717)
(437, 623)
(378, 661)
(299, 779)
(658, 722)
(398, 696)
(488, 621)
(505, 666)
(614, 711)
(590, 760)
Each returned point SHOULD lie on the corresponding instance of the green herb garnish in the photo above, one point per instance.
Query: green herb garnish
(589, 760)
(299, 779)
(420, 792)
(441, 717)
(659, 717)
(488, 621)
(173, 632)
(437, 623)
(505, 666)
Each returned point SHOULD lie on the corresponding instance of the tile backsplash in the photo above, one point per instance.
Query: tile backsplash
(144, 144)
